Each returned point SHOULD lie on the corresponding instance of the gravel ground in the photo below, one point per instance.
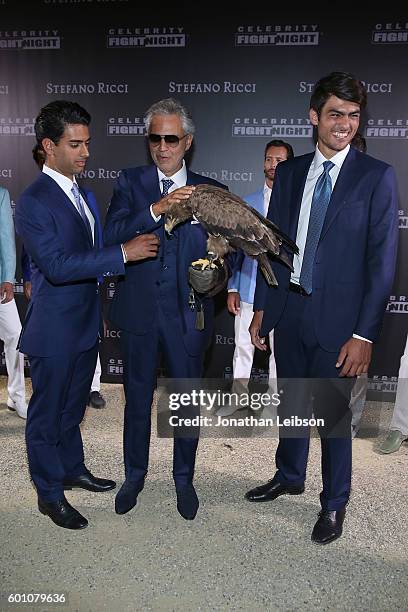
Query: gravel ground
(233, 556)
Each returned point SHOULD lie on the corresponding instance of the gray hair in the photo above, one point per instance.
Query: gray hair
(170, 106)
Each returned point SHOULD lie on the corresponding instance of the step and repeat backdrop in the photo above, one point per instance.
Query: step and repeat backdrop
(246, 80)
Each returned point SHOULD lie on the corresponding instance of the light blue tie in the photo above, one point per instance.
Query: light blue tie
(320, 201)
(167, 183)
(81, 209)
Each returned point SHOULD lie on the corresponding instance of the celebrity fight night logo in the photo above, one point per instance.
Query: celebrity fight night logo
(17, 126)
(403, 219)
(125, 126)
(393, 33)
(26, 40)
(288, 35)
(387, 128)
(398, 304)
(145, 37)
(272, 127)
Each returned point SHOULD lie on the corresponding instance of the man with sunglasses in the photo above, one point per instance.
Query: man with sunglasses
(151, 304)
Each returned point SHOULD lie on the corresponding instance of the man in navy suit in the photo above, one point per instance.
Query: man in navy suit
(60, 231)
(340, 205)
(151, 305)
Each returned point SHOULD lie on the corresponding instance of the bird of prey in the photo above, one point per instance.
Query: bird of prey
(232, 224)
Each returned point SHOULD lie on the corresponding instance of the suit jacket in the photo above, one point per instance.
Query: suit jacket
(7, 241)
(355, 258)
(93, 206)
(64, 314)
(243, 277)
(134, 306)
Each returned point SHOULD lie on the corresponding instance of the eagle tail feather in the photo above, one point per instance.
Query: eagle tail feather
(266, 270)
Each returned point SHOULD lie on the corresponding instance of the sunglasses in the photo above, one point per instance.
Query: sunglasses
(170, 139)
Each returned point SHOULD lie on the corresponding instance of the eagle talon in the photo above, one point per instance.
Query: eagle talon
(203, 263)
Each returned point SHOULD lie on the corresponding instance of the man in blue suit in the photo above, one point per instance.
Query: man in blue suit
(241, 286)
(60, 231)
(340, 206)
(151, 305)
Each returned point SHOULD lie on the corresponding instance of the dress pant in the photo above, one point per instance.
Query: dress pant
(96, 381)
(140, 354)
(61, 386)
(244, 349)
(399, 421)
(10, 328)
(299, 355)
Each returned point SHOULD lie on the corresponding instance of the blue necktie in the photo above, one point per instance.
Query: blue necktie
(320, 202)
(167, 183)
(81, 209)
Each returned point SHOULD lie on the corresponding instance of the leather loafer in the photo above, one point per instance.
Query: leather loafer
(392, 442)
(96, 400)
(89, 482)
(62, 514)
(271, 490)
(329, 526)
(187, 502)
(126, 498)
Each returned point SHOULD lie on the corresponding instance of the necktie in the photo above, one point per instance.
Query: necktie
(320, 202)
(167, 183)
(81, 209)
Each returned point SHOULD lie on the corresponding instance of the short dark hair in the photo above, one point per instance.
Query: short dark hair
(343, 85)
(359, 142)
(280, 143)
(55, 116)
(38, 155)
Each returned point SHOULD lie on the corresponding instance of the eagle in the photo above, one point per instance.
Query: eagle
(231, 224)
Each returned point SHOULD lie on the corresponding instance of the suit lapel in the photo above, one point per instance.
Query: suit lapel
(150, 183)
(348, 175)
(298, 183)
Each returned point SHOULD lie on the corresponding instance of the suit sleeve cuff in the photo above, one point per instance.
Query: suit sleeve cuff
(361, 338)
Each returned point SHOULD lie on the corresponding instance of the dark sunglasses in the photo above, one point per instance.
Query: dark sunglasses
(170, 139)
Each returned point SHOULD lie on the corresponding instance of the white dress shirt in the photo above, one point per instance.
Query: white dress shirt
(66, 185)
(179, 179)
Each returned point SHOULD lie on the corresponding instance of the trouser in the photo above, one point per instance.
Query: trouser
(96, 381)
(61, 386)
(299, 355)
(399, 421)
(10, 328)
(244, 349)
(140, 354)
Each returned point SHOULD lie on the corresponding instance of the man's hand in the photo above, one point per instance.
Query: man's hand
(254, 329)
(141, 247)
(6, 292)
(355, 357)
(27, 289)
(233, 302)
(182, 193)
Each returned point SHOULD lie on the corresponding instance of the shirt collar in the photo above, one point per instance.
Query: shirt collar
(337, 159)
(63, 181)
(179, 178)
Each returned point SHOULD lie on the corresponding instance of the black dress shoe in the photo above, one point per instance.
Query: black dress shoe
(62, 514)
(187, 502)
(271, 490)
(96, 400)
(126, 498)
(88, 482)
(329, 526)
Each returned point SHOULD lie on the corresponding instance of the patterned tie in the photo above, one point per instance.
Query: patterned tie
(320, 202)
(167, 183)
(81, 209)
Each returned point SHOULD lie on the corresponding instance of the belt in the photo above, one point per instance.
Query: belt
(298, 289)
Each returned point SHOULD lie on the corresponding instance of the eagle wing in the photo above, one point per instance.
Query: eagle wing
(223, 213)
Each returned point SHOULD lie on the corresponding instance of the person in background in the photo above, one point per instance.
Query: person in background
(241, 286)
(10, 326)
(398, 431)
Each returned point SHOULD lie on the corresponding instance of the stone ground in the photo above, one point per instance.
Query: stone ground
(233, 556)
